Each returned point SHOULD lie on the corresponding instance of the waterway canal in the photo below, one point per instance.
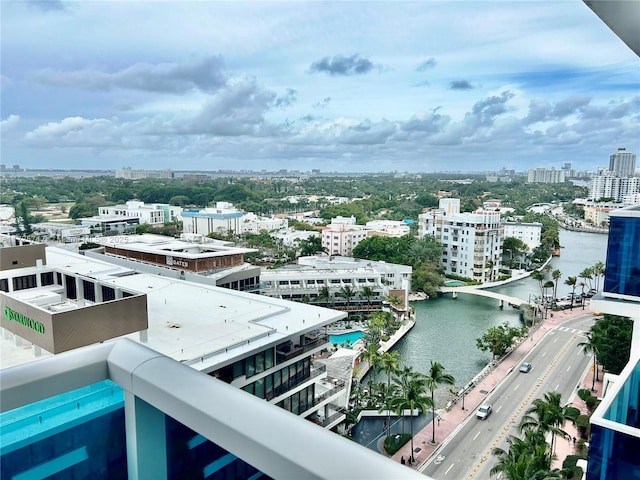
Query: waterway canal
(446, 330)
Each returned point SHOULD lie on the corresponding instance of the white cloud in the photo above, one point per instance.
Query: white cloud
(201, 82)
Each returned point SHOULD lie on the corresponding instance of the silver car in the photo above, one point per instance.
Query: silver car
(483, 411)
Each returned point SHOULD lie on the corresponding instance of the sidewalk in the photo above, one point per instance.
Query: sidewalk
(450, 420)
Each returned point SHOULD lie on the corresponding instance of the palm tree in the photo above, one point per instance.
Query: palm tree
(372, 357)
(347, 292)
(389, 362)
(572, 281)
(589, 347)
(539, 277)
(324, 295)
(435, 377)
(402, 379)
(587, 275)
(548, 284)
(546, 414)
(367, 292)
(556, 274)
(598, 272)
(525, 459)
(414, 397)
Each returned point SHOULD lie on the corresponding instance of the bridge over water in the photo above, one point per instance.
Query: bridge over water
(478, 290)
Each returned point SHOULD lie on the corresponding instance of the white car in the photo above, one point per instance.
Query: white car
(483, 411)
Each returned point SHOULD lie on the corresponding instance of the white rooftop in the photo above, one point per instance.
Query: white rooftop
(193, 323)
(149, 243)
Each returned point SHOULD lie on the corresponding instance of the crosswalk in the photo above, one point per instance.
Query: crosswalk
(571, 330)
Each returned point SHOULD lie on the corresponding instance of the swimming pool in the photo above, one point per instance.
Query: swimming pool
(346, 337)
(453, 283)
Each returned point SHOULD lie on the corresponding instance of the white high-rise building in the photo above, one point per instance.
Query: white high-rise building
(543, 175)
(609, 186)
(622, 163)
(471, 242)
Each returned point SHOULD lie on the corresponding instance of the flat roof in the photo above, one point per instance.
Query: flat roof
(159, 244)
(193, 323)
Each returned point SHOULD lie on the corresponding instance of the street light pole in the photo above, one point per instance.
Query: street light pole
(463, 392)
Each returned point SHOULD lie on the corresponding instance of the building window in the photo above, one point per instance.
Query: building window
(108, 294)
(22, 283)
(4, 285)
(59, 278)
(70, 287)
(89, 291)
(46, 278)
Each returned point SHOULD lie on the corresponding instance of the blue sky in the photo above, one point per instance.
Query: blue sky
(338, 86)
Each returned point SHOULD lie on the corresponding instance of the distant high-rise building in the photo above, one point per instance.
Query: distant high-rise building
(542, 175)
(610, 186)
(623, 163)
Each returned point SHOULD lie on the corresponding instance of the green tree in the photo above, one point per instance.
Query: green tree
(598, 272)
(310, 246)
(611, 336)
(347, 292)
(324, 295)
(525, 459)
(538, 276)
(572, 281)
(413, 397)
(587, 276)
(590, 348)
(556, 275)
(367, 292)
(389, 362)
(546, 414)
(498, 340)
(435, 377)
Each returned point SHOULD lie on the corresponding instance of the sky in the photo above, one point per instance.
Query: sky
(346, 86)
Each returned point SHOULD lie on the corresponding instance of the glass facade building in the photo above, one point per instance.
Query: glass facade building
(623, 253)
(614, 445)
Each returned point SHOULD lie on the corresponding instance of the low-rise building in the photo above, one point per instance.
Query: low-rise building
(389, 228)
(200, 259)
(341, 237)
(152, 214)
(326, 280)
(224, 218)
(264, 346)
(529, 233)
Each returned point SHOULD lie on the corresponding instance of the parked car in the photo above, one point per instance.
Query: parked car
(525, 367)
(483, 411)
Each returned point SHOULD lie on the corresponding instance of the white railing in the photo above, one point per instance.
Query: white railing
(236, 421)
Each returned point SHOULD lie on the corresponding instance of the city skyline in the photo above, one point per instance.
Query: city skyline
(334, 86)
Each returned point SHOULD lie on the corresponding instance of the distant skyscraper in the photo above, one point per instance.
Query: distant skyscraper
(622, 163)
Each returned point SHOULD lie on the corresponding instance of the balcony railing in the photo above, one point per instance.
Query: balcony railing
(283, 353)
(219, 412)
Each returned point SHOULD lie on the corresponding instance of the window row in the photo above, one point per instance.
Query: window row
(300, 401)
(281, 381)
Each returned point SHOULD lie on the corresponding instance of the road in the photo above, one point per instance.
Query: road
(558, 364)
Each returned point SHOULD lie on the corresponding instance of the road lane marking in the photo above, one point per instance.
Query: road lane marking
(476, 435)
(517, 386)
(569, 368)
(498, 409)
(544, 354)
(449, 469)
(511, 422)
(558, 385)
